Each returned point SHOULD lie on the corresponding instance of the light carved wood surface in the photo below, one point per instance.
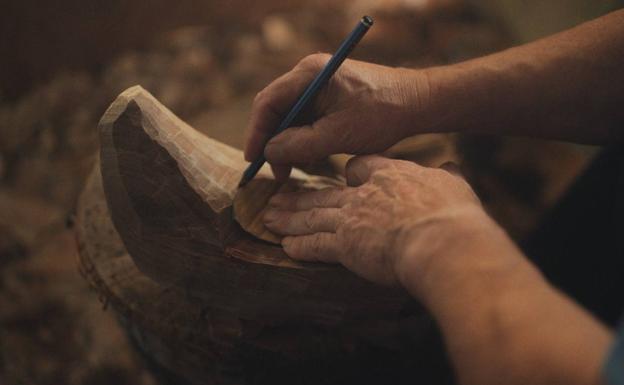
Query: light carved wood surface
(251, 201)
(209, 302)
(198, 341)
(170, 190)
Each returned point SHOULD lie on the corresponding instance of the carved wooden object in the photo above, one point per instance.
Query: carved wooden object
(208, 302)
(250, 201)
(195, 341)
(170, 189)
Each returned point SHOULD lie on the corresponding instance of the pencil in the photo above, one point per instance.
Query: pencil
(312, 90)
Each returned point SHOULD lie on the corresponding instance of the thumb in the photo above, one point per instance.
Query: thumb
(360, 168)
(303, 144)
(452, 168)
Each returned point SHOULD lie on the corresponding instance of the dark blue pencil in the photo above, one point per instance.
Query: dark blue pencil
(313, 88)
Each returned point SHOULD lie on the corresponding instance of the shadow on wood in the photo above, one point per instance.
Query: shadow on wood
(206, 300)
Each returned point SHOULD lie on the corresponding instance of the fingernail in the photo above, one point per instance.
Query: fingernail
(270, 215)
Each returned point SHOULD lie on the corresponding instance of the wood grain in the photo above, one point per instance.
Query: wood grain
(250, 201)
(170, 188)
(204, 299)
(199, 341)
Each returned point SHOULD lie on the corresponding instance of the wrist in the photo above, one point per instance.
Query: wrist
(475, 96)
(463, 251)
(499, 315)
(414, 89)
(450, 99)
(436, 99)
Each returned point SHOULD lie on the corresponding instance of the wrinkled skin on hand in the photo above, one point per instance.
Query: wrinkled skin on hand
(369, 225)
(365, 108)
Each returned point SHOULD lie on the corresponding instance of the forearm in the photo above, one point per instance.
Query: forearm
(502, 322)
(569, 86)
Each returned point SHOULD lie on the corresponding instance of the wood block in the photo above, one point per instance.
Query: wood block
(170, 190)
(208, 302)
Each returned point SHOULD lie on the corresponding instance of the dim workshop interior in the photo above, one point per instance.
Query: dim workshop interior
(130, 253)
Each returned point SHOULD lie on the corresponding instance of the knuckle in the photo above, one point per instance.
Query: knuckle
(260, 96)
(262, 106)
(348, 208)
(280, 223)
(311, 218)
(376, 162)
(310, 151)
(382, 176)
(263, 103)
(367, 159)
(365, 191)
(279, 199)
(320, 198)
(294, 249)
(328, 197)
(314, 61)
(288, 142)
(346, 138)
(341, 196)
(304, 63)
(316, 245)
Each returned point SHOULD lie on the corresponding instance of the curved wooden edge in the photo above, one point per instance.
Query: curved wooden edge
(179, 236)
(204, 342)
(176, 330)
(250, 201)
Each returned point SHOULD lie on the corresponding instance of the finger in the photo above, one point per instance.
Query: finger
(281, 172)
(270, 106)
(302, 222)
(331, 197)
(320, 247)
(360, 168)
(305, 144)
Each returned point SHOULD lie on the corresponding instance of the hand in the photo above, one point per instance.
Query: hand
(393, 211)
(365, 108)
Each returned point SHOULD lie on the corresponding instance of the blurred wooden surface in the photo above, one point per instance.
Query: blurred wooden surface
(528, 20)
(83, 35)
(62, 64)
(204, 340)
(170, 191)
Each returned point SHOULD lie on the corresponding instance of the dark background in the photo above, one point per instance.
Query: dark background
(63, 62)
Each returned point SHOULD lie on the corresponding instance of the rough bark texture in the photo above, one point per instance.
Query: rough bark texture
(210, 304)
